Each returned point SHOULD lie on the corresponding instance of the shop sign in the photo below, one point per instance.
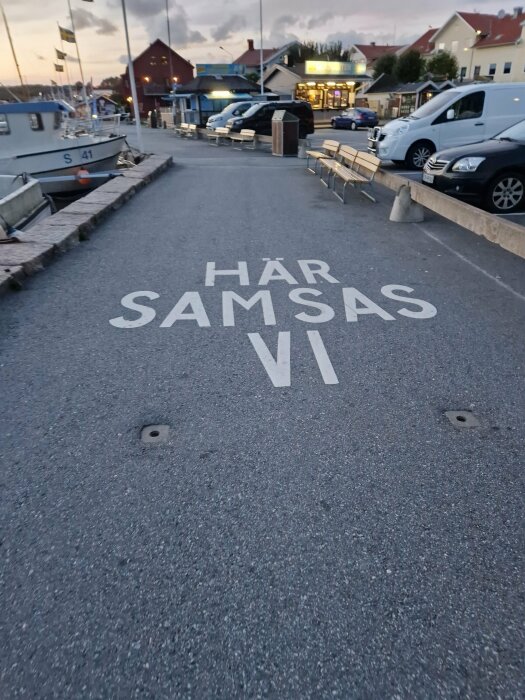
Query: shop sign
(335, 67)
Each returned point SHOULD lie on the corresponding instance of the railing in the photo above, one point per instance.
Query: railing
(100, 126)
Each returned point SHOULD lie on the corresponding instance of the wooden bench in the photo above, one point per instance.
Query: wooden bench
(345, 157)
(192, 132)
(329, 149)
(181, 129)
(220, 135)
(245, 136)
(361, 174)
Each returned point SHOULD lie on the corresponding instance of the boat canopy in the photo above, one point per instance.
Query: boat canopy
(35, 107)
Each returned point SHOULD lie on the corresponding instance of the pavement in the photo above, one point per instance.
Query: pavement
(307, 523)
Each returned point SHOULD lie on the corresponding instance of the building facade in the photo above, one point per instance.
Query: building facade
(489, 47)
(156, 70)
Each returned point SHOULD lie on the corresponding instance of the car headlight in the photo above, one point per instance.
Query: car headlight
(467, 165)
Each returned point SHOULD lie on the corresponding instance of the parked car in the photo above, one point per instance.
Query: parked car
(461, 115)
(354, 118)
(491, 173)
(235, 109)
(259, 117)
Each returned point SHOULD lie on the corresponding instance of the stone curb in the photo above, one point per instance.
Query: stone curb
(74, 223)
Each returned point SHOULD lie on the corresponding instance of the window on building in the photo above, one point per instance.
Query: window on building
(492, 69)
(153, 60)
(507, 67)
(4, 125)
(441, 46)
(35, 122)
(477, 71)
(164, 60)
(454, 47)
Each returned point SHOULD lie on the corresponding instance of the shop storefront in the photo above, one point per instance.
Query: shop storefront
(329, 85)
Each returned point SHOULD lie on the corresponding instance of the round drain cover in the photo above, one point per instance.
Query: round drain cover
(154, 433)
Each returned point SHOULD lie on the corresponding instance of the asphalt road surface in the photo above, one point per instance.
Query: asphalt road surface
(307, 522)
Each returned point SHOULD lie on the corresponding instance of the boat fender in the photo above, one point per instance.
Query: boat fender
(83, 176)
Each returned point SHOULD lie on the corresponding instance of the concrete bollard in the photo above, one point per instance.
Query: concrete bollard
(404, 210)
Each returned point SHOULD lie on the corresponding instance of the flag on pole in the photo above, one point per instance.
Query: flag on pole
(67, 35)
(60, 55)
(59, 68)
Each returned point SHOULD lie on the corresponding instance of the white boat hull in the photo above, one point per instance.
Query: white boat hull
(91, 154)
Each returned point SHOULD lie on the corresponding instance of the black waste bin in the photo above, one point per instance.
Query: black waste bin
(285, 133)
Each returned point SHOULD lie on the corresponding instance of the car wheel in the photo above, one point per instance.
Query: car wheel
(418, 154)
(334, 124)
(353, 126)
(506, 193)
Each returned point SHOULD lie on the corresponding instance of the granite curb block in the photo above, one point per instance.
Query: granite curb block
(74, 223)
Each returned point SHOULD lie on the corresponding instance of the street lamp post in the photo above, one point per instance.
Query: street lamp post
(226, 51)
(132, 81)
(261, 58)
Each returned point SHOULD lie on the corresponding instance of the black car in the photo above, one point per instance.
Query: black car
(259, 117)
(355, 118)
(490, 173)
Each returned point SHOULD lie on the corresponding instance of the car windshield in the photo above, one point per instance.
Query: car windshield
(513, 133)
(253, 109)
(434, 105)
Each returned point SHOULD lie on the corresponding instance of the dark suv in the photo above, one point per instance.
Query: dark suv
(259, 117)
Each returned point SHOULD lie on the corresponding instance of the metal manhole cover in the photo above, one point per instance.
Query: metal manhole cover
(155, 433)
(462, 419)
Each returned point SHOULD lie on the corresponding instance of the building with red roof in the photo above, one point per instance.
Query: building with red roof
(486, 46)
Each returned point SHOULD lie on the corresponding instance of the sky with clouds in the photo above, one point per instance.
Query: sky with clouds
(199, 28)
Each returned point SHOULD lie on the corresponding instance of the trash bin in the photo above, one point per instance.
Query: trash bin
(153, 119)
(285, 133)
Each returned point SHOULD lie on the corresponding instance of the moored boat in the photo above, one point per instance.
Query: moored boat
(21, 202)
(44, 140)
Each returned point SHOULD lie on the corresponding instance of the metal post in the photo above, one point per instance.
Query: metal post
(132, 82)
(169, 44)
(261, 49)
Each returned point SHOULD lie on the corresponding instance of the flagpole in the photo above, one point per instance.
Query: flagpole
(84, 94)
(132, 81)
(13, 51)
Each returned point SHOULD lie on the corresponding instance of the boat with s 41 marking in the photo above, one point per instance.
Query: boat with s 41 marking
(45, 140)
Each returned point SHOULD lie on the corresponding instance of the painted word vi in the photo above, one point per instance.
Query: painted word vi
(190, 307)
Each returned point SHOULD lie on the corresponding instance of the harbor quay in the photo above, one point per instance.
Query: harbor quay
(260, 443)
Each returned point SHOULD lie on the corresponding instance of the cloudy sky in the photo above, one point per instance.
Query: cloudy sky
(199, 27)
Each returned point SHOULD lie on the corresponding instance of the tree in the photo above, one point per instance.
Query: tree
(385, 64)
(410, 67)
(112, 84)
(443, 65)
(311, 50)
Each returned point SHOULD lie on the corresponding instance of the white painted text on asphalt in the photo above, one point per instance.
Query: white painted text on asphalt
(190, 307)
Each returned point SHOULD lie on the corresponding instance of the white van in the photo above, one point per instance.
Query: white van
(235, 109)
(461, 115)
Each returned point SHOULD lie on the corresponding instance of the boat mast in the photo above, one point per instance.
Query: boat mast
(13, 51)
(84, 94)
